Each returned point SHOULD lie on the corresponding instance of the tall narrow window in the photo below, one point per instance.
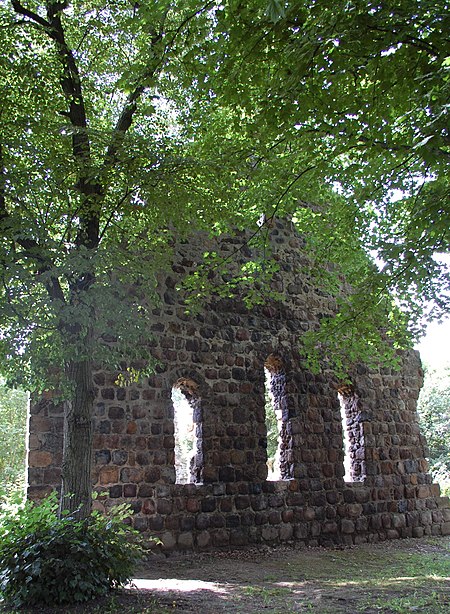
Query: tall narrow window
(353, 436)
(279, 448)
(188, 429)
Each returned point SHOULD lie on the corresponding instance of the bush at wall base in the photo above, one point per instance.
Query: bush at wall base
(51, 561)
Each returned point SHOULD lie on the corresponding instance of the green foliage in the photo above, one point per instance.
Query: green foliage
(229, 110)
(48, 560)
(13, 419)
(351, 101)
(91, 160)
(434, 415)
(272, 430)
(186, 115)
(238, 277)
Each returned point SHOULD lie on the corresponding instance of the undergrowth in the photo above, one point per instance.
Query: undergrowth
(49, 560)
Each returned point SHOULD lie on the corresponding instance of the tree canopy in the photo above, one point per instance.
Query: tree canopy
(92, 162)
(123, 125)
(113, 112)
(346, 105)
(433, 410)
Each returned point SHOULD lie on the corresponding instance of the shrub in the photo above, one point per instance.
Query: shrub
(49, 560)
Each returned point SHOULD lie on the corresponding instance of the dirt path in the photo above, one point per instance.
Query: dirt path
(396, 577)
(400, 576)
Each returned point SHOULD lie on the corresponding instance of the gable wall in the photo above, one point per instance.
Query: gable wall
(223, 350)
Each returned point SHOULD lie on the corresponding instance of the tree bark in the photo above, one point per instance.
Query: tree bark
(76, 494)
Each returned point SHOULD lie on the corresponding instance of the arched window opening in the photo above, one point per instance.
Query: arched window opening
(353, 437)
(279, 461)
(188, 426)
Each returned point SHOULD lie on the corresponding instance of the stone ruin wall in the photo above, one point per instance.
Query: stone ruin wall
(218, 360)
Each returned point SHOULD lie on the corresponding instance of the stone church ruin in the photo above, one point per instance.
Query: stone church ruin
(187, 447)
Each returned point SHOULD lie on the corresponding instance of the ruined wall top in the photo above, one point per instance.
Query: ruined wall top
(227, 362)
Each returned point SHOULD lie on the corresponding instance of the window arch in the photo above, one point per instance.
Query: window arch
(187, 431)
(353, 435)
(279, 441)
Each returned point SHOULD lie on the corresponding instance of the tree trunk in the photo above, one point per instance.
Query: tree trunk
(76, 494)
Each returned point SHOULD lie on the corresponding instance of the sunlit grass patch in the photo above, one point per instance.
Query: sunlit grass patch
(425, 602)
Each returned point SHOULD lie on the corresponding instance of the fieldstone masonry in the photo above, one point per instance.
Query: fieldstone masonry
(218, 359)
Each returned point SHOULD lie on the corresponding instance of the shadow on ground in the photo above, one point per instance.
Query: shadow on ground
(400, 576)
(389, 578)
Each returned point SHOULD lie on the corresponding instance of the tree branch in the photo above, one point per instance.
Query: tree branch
(119, 204)
(89, 188)
(22, 10)
(129, 109)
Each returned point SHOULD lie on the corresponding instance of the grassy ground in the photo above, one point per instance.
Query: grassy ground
(390, 578)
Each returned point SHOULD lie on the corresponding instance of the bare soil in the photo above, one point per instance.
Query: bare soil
(366, 578)
(390, 577)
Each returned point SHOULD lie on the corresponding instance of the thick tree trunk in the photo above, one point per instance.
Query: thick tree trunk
(76, 495)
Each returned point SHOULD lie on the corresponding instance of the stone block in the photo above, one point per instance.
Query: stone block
(52, 475)
(242, 502)
(208, 504)
(275, 517)
(309, 513)
(301, 530)
(423, 491)
(164, 506)
(203, 539)
(129, 490)
(148, 506)
(286, 532)
(362, 495)
(349, 495)
(238, 537)
(202, 521)
(155, 523)
(287, 515)
(330, 527)
(187, 523)
(347, 526)
(119, 457)
(185, 541)
(35, 493)
(233, 520)
(270, 533)
(221, 537)
(140, 524)
(217, 521)
(417, 531)
(116, 491)
(168, 540)
(354, 510)
(362, 524)
(102, 457)
(398, 521)
(40, 459)
(392, 534)
(108, 475)
(192, 505)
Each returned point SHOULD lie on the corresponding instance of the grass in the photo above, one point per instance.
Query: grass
(403, 577)
(415, 602)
